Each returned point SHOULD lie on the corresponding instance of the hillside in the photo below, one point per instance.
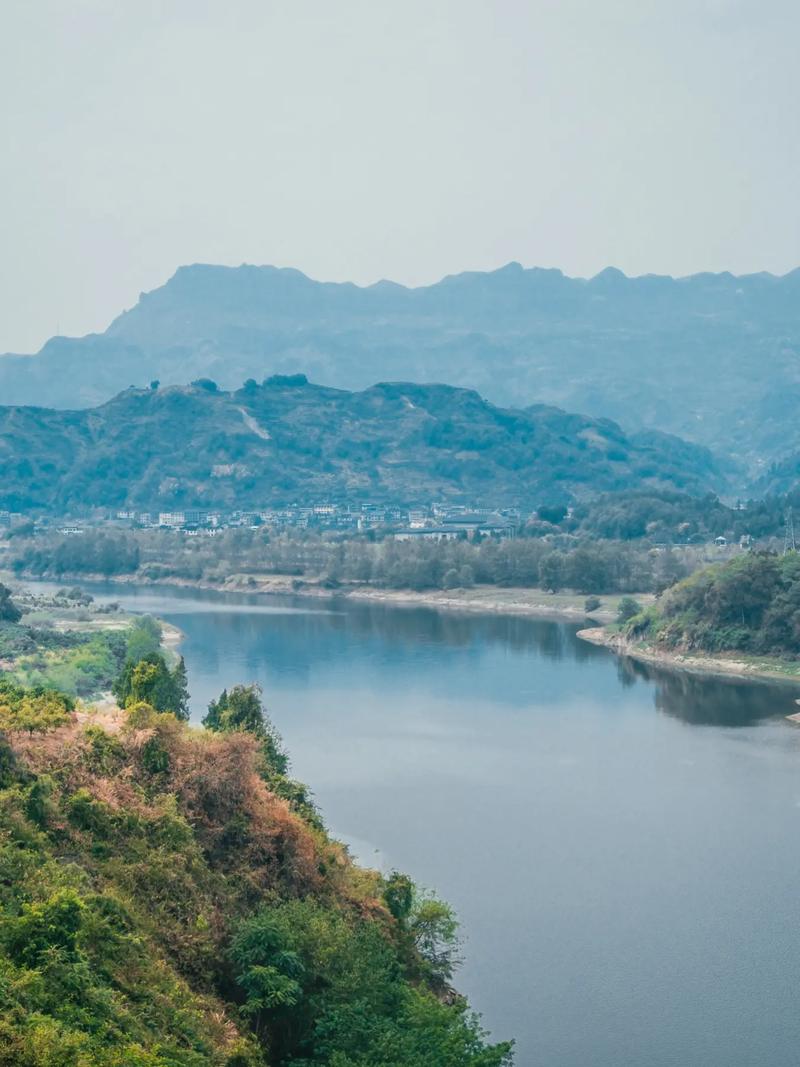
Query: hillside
(749, 605)
(781, 477)
(162, 906)
(712, 357)
(287, 441)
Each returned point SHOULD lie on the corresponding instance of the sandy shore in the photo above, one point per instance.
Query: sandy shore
(723, 666)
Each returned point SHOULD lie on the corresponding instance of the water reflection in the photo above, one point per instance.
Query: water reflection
(293, 637)
(724, 702)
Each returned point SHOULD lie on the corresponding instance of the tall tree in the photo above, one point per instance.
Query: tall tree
(242, 709)
(9, 612)
(150, 681)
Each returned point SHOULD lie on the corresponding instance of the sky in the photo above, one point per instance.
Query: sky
(407, 139)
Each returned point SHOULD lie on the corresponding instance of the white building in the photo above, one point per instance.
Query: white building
(173, 519)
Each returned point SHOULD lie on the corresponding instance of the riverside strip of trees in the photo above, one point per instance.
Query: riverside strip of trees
(561, 562)
(605, 545)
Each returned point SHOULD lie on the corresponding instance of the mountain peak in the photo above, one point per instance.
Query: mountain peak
(610, 276)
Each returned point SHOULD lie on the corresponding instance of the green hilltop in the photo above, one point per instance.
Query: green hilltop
(287, 440)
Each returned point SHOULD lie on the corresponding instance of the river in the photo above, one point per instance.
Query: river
(622, 845)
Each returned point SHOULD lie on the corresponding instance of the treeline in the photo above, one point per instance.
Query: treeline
(556, 562)
(750, 604)
(96, 552)
(667, 517)
(659, 517)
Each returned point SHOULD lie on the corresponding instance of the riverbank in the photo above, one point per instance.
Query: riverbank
(483, 599)
(723, 665)
(68, 641)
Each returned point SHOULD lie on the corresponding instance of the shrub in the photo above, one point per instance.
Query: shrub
(627, 608)
(34, 712)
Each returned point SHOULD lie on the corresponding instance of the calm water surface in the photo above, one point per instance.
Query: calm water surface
(621, 844)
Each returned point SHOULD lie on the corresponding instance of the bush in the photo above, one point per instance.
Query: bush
(36, 712)
(592, 603)
(451, 579)
(628, 607)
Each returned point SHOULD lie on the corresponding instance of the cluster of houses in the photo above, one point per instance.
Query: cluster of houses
(435, 522)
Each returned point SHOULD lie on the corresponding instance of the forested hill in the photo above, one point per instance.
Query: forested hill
(712, 357)
(750, 604)
(290, 441)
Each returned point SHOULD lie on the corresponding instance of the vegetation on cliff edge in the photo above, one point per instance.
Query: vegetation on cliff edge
(162, 906)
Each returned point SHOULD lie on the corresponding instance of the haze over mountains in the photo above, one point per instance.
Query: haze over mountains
(288, 441)
(713, 358)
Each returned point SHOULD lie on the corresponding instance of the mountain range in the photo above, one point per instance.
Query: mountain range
(288, 441)
(714, 358)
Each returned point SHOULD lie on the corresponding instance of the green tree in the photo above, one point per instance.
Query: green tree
(180, 682)
(551, 571)
(322, 988)
(627, 608)
(144, 636)
(450, 579)
(9, 612)
(428, 930)
(43, 927)
(242, 709)
(35, 712)
(151, 682)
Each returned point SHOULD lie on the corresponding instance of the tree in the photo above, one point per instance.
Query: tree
(592, 603)
(180, 681)
(586, 570)
(552, 513)
(627, 608)
(242, 709)
(150, 681)
(450, 579)
(9, 612)
(320, 987)
(42, 927)
(144, 637)
(551, 571)
(428, 929)
(36, 712)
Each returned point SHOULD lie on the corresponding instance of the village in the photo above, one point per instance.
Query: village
(437, 521)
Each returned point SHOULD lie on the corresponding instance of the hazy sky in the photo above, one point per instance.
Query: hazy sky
(386, 138)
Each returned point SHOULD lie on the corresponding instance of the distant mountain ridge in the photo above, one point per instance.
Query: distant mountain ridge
(714, 358)
(288, 441)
